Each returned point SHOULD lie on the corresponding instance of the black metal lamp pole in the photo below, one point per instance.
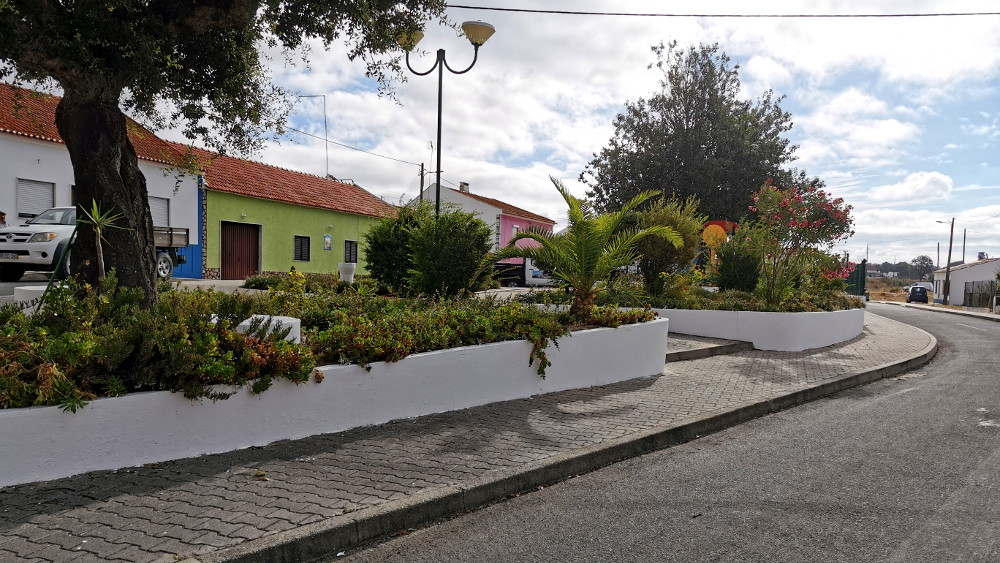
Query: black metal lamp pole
(477, 32)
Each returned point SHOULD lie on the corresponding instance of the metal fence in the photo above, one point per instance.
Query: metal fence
(980, 294)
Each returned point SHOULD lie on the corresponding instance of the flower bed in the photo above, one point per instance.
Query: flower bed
(784, 332)
(149, 427)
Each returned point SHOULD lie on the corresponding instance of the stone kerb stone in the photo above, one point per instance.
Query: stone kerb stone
(111, 433)
(781, 332)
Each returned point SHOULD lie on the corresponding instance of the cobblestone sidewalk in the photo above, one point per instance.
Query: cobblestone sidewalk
(290, 500)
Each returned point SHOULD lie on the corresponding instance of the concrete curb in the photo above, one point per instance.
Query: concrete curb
(709, 351)
(345, 532)
(972, 314)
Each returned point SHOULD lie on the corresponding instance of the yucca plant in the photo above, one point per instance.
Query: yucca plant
(101, 221)
(590, 249)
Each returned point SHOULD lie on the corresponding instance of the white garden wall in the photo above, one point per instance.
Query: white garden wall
(784, 332)
(149, 427)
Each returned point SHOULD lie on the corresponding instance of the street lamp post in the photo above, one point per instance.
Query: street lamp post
(477, 32)
(947, 268)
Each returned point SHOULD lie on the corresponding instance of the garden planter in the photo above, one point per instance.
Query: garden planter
(158, 426)
(784, 332)
(346, 271)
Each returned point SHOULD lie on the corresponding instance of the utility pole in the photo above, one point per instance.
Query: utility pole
(963, 245)
(421, 182)
(947, 268)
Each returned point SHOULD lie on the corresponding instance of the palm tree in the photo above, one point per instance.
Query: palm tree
(590, 249)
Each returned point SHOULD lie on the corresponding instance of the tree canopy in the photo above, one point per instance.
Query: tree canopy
(694, 137)
(921, 267)
(195, 64)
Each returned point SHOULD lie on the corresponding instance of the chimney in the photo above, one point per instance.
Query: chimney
(463, 187)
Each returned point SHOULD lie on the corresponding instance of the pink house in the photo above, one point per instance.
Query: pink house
(506, 220)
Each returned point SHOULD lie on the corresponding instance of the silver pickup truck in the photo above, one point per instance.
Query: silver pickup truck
(38, 245)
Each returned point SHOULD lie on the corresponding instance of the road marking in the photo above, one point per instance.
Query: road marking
(972, 327)
(989, 423)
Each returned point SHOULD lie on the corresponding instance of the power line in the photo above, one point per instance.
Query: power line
(353, 148)
(652, 15)
(978, 220)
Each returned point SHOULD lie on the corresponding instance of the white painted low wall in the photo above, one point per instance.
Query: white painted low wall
(43, 443)
(783, 332)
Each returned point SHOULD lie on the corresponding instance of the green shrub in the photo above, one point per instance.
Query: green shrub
(447, 254)
(387, 246)
(739, 266)
(657, 255)
(90, 342)
(381, 329)
(262, 281)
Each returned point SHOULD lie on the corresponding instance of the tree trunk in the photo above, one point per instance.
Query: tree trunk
(106, 170)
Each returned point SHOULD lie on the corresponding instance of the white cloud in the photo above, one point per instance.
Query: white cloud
(915, 188)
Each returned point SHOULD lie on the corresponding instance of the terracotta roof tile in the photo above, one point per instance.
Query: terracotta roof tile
(507, 208)
(254, 179)
(33, 114)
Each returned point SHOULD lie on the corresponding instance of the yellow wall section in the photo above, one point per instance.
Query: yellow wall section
(280, 222)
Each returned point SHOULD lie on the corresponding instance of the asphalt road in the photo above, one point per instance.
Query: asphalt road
(901, 470)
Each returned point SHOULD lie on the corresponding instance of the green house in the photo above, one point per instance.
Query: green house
(258, 218)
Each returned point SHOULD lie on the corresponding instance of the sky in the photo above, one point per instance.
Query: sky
(900, 116)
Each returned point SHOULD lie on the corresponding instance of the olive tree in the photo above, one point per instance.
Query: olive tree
(195, 64)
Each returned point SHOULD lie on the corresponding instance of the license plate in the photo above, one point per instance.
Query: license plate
(8, 256)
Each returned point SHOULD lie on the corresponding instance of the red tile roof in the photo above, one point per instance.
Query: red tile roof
(254, 179)
(507, 208)
(33, 114)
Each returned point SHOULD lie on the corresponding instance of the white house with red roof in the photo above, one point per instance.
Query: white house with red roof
(36, 173)
(505, 219)
(243, 217)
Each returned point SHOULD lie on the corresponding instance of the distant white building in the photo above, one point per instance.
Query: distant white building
(980, 270)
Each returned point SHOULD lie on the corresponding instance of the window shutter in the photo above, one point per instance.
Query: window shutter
(351, 251)
(301, 252)
(33, 197)
(159, 208)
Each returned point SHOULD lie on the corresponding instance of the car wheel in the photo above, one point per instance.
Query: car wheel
(11, 273)
(63, 271)
(164, 266)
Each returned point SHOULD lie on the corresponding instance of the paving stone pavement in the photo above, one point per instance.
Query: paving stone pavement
(269, 503)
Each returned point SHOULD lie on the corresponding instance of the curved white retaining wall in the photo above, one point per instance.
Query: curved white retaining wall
(783, 332)
(43, 443)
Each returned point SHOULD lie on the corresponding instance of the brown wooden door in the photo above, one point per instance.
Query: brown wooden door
(240, 250)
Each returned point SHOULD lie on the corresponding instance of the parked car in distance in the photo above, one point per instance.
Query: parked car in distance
(916, 294)
(39, 244)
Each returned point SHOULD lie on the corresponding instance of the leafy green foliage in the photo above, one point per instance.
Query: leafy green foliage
(739, 265)
(697, 136)
(387, 246)
(416, 253)
(447, 253)
(592, 247)
(84, 343)
(794, 227)
(658, 256)
(195, 65)
(314, 283)
(362, 331)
